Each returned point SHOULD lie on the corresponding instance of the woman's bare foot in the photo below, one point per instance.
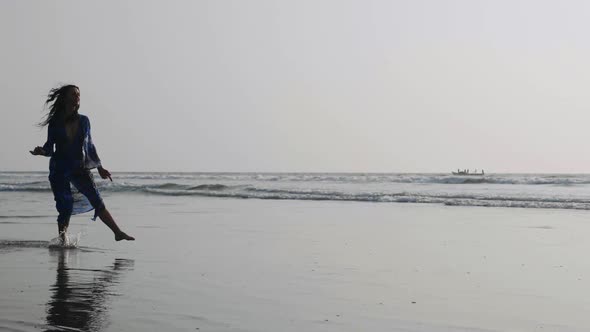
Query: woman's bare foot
(122, 236)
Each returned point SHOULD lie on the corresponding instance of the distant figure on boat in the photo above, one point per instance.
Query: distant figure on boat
(468, 172)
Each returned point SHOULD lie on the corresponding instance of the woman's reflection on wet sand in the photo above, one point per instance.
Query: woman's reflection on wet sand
(79, 299)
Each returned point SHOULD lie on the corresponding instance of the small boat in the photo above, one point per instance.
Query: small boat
(467, 173)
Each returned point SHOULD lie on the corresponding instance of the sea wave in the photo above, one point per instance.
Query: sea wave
(352, 178)
(501, 179)
(32, 187)
(504, 190)
(391, 197)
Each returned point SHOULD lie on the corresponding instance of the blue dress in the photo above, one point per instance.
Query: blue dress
(70, 164)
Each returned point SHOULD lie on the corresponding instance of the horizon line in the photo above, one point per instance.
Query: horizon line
(308, 172)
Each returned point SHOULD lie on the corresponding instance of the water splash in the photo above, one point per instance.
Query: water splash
(68, 242)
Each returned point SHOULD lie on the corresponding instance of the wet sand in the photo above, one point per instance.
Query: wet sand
(211, 264)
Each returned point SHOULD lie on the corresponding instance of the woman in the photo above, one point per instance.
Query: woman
(72, 159)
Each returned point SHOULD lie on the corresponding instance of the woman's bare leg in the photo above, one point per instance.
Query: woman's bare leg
(108, 220)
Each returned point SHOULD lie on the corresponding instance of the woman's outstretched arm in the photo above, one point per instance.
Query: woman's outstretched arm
(47, 149)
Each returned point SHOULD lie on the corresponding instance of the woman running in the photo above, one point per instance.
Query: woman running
(73, 155)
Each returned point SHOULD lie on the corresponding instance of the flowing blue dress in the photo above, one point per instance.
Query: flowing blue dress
(70, 164)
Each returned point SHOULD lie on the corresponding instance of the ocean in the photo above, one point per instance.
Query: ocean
(555, 191)
(301, 252)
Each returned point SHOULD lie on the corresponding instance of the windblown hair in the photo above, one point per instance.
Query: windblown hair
(56, 104)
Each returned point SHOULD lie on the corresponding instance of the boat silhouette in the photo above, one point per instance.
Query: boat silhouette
(466, 172)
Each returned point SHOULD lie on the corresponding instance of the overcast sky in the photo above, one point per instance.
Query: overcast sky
(317, 86)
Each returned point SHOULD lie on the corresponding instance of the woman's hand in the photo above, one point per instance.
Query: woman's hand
(38, 151)
(104, 173)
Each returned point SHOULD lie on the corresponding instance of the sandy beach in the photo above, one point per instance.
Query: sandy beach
(212, 264)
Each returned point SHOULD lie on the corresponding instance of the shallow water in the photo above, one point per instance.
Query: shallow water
(218, 264)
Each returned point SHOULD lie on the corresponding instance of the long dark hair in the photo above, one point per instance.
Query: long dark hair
(56, 104)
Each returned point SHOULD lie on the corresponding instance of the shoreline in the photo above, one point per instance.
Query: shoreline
(260, 265)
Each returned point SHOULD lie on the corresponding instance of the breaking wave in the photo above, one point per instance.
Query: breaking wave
(494, 190)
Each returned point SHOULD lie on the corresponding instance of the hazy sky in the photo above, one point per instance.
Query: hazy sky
(325, 86)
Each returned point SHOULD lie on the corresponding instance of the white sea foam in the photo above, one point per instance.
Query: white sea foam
(70, 241)
(564, 191)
